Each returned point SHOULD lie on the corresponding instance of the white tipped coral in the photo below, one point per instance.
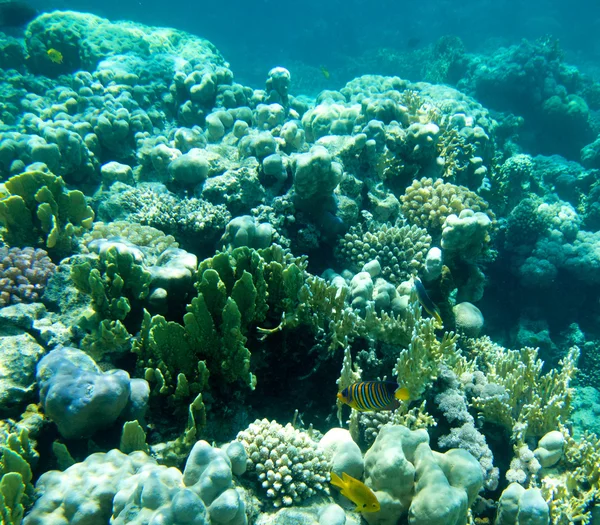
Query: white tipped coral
(286, 462)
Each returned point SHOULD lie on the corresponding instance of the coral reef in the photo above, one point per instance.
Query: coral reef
(194, 307)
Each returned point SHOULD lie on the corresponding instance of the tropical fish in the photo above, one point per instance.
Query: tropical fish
(15, 13)
(325, 72)
(357, 492)
(55, 56)
(428, 305)
(373, 395)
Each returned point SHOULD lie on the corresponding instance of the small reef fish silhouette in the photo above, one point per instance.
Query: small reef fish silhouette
(357, 492)
(325, 72)
(428, 305)
(367, 396)
(15, 13)
(55, 56)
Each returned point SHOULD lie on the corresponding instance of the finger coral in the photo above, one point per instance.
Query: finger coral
(286, 462)
(23, 274)
(400, 250)
(428, 203)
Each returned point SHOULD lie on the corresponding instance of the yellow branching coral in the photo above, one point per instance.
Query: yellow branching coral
(454, 152)
(526, 402)
(572, 490)
(419, 364)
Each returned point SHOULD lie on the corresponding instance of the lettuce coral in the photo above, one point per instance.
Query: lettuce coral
(40, 210)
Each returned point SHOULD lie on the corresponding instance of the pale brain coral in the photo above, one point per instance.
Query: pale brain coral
(400, 250)
(23, 274)
(428, 204)
(287, 462)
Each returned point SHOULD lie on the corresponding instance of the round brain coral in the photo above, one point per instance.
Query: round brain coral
(287, 462)
(400, 250)
(427, 203)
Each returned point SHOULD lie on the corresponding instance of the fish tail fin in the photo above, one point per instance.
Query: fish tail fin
(402, 394)
(337, 481)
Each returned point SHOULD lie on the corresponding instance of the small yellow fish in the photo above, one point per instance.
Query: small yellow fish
(325, 72)
(357, 492)
(55, 56)
(373, 395)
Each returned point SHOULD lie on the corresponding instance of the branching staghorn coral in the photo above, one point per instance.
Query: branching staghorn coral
(572, 492)
(525, 401)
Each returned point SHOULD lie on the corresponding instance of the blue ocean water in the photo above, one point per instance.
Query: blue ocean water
(255, 36)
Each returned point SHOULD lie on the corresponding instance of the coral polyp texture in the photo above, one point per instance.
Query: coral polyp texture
(23, 274)
(194, 268)
(287, 463)
(427, 203)
(400, 250)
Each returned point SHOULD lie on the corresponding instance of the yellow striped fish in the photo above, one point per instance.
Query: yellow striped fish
(373, 395)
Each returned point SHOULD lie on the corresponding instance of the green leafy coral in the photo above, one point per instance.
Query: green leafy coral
(41, 211)
(113, 281)
(238, 292)
(16, 489)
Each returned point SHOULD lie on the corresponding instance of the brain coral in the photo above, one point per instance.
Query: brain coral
(23, 274)
(400, 250)
(427, 203)
(287, 462)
